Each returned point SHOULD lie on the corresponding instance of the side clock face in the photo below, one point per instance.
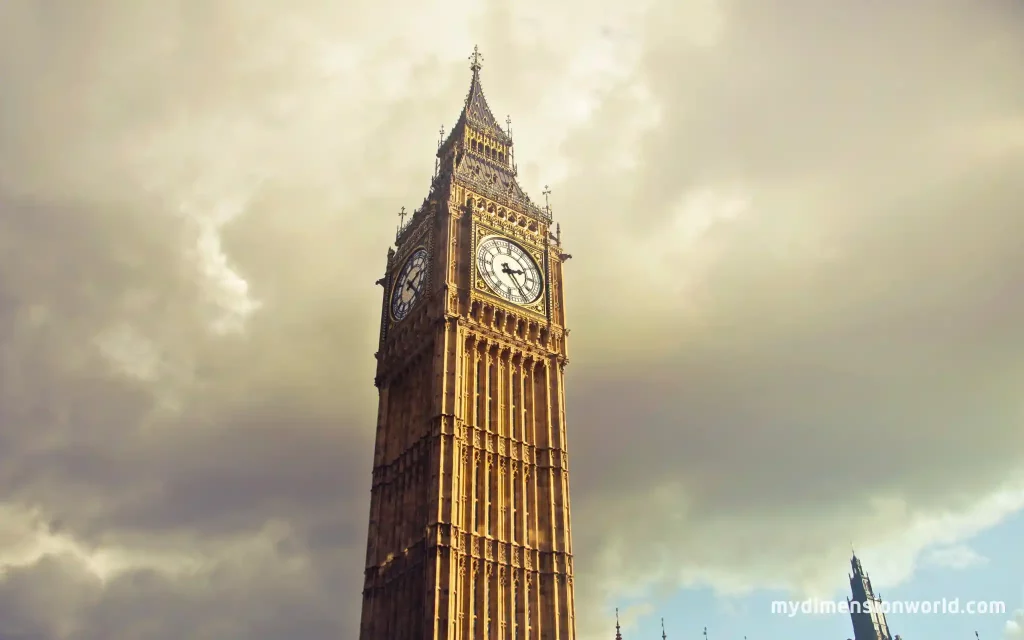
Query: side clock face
(409, 284)
(509, 270)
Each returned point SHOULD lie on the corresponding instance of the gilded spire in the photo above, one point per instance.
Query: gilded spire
(476, 112)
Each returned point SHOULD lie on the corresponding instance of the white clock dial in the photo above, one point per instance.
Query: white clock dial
(509, 270)
(409, 284)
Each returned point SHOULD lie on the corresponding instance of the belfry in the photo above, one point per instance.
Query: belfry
(469, 533)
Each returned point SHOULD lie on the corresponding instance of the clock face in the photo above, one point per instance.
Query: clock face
(509, 270)
(409, 284)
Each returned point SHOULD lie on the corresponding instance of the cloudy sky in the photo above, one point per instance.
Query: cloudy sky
(795, 301)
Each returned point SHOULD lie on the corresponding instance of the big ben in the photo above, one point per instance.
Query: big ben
(469, 534)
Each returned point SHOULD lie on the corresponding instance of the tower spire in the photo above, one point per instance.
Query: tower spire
(476, 112)
(618, 632)
(863, 605)
(663, 636)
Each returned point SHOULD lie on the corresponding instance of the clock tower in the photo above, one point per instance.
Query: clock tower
(469, 534)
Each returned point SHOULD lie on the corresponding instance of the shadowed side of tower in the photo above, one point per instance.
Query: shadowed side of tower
(469, 533)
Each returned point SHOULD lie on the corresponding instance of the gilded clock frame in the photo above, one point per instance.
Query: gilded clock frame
(538, 254)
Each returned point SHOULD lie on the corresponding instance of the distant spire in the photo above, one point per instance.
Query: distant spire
(618, 632)
(663, 636)
(855, 564)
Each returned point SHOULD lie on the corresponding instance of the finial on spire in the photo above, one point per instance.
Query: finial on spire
(401, 222)
(663, 636)
(475, 58)
(547, 203)
(437, 160)
(618, 633)
(705, 633)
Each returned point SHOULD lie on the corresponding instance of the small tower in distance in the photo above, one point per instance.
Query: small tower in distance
(865, 607)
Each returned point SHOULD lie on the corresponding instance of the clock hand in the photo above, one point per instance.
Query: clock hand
(509, 270)
(512, 274)
(411, 286)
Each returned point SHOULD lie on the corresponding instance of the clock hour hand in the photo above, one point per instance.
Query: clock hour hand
(512, 273)
(409, 285)
(509, 270)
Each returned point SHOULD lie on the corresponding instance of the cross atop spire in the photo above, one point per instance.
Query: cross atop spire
(475, 58)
